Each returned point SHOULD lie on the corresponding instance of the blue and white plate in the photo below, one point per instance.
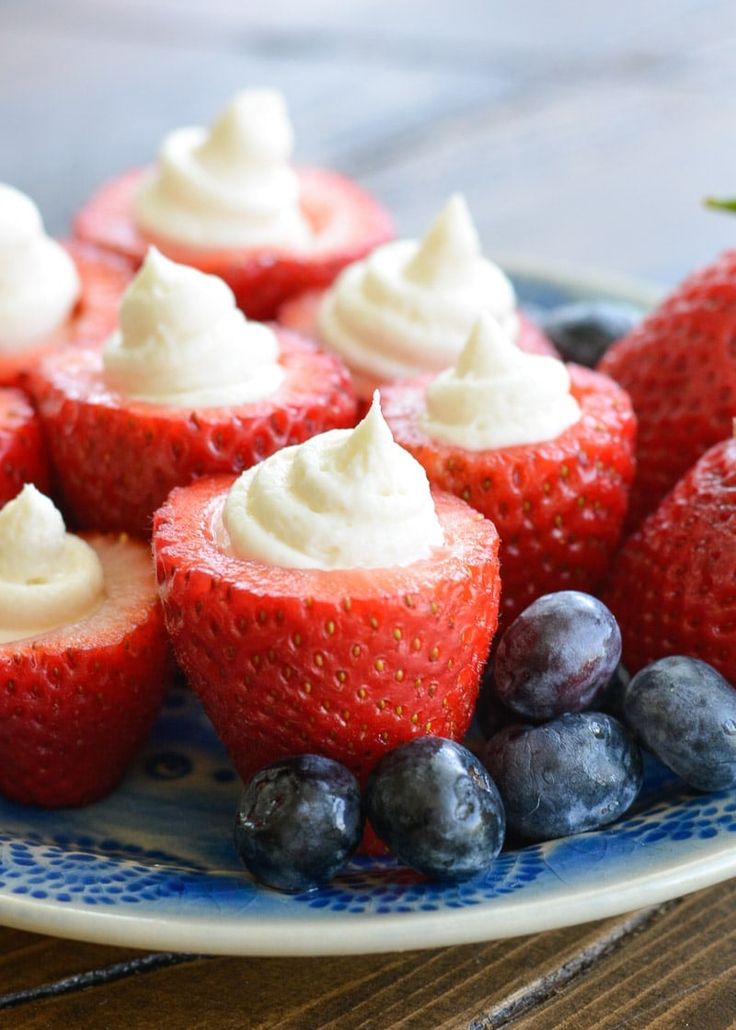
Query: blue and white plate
(153, 865)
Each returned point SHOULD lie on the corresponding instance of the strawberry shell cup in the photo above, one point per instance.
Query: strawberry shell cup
(558, 506)
(344, 663)
(79, 700)
(347, 224)
(300, 314)
(103, 279)
(115, 459)
(22, 448)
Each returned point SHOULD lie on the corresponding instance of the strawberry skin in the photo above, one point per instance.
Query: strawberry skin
(672, 588)
(103, 280)
(345, 663)
(76, 702)
(558, 506)
(22, 449)
(116, 459)
(347, 224)
(300, 313)
(679, 368)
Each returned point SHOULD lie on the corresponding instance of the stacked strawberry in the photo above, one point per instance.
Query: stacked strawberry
(22, 450)
(347, 224)
(679, 368)
(673, 586)
(558, 506)
(346, 662)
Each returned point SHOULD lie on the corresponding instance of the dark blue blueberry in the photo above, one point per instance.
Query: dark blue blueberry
(298, 822)
(577, 773)
(437, 808)
(557, 656)
(582, 332)
(612, 698)
(684, 711)
(491, 715)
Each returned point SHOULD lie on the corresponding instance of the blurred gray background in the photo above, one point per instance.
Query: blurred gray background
(581, 133)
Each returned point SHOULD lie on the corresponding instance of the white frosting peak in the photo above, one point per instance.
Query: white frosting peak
(228, 186)
(349, 498)
(497, 395)
(182, 342)
(409, 306)
(39, 284)
(48, 577)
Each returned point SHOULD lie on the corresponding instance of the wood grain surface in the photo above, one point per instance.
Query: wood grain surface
(581, 133)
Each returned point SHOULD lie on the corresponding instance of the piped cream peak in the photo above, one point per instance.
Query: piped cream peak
(254, 128)
(489, 350)
(368, 444)
(449, 249)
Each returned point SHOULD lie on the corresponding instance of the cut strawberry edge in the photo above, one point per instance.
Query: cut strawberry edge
(103, 279)
(22, 448)
(300, 314)
(185, 540)
(84, 696)
(78, 410)
(347, 224)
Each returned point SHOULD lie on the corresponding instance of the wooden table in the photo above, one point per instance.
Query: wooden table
(585, 134)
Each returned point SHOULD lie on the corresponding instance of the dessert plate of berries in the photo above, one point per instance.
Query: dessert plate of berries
(364, 825)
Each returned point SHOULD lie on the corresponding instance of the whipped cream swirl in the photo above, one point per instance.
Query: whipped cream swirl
(48, 577)
(39, 284)
(231, 185)
(409, 306)
(346, 499)
(183, 342)
(497, 395)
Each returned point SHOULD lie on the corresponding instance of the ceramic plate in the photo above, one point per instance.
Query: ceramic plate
(153, 866)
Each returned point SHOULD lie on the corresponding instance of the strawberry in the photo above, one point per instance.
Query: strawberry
(116, 459)
(679, 368)
(345, 663)
(300, 313)
(672, 589)
(558, 506)
(103, 280)
(22, 450)
(347, 222)
(76, 702)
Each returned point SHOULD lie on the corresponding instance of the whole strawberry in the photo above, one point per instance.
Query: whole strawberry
(558, 505)
(672, 590)
(679, 368)
(346, 663)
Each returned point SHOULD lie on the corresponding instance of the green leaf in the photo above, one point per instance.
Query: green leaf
(716, 204)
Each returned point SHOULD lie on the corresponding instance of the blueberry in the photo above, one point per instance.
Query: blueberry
(298, 822)
(557, 656)
(577, 773)
(491, 715)
(437, 808)
(684, 711)
(583, 331)
(612, 698)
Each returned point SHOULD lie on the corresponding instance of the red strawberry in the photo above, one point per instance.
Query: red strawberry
(103, 280)
(679, 368)
(116, 459)
(347, 663)
(76, 702)
(558, 506)
(347, 222)
(22, 450)
(672, 589)
(300, 313)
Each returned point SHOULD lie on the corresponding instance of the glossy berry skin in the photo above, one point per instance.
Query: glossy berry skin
(437, 808)
(557, 656)
(116, 459)
(672, 587)
(558, 506)
(298, 822)
(348, 663)
(575, 774)
(684, 711)
(679, 368)
(582, 332)
(347, 224)
(22, 448)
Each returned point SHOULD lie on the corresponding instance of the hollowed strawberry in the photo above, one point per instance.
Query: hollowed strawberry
(22, 450)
